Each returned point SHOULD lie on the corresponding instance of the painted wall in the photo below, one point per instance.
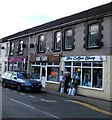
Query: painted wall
(3, 57)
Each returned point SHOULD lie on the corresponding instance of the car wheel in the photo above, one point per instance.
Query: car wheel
(4, 84)
(18, 87)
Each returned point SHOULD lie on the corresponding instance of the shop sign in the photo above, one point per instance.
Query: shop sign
(16, 59)
(84, 58)
(42, 58)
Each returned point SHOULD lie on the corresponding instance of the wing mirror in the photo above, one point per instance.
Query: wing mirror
(15, 78)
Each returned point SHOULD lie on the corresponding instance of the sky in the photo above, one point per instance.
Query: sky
(19, 15)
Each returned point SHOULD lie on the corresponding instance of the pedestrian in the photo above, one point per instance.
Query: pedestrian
(67, 80)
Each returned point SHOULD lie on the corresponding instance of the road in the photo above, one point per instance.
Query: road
(42, 105)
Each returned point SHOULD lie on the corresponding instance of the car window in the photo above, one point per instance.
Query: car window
(5, 73)
(9, 75)
(23, 76)
(14, 75)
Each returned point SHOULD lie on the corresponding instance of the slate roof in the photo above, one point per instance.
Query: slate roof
(99, 10)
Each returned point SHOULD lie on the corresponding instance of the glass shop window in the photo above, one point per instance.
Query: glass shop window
(76, 63)
(35, 72)
(67, 63)
(86, 77)
(76, 74)
(97, 78)
(86, 64)
(11, 67)
(53, 74)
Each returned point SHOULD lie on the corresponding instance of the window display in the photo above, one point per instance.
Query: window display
(89, 74)
(97, 78)
(86, 77)
(53, 74)
(36, 72)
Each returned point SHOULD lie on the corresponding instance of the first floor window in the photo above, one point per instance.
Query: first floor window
(68, 39)
(41, 43)
(57, 41)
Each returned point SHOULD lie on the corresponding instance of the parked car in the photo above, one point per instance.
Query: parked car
(20, 80)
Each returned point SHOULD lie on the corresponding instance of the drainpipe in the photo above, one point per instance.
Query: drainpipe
(28, 62)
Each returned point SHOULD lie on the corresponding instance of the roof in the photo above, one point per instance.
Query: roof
(100, 10)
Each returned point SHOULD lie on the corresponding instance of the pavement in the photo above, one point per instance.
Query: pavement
(100, 105)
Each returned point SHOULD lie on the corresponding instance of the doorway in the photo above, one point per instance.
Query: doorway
(43, 75)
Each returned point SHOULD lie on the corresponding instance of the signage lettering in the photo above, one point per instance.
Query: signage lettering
(85, 58)
(41, 59)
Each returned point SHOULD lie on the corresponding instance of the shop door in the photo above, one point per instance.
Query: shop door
(43, 75)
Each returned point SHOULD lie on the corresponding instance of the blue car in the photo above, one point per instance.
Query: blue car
(20, 81)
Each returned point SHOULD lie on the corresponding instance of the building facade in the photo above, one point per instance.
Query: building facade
(80, 44)
(4, 52)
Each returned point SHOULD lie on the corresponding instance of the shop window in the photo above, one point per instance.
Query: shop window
(67, 70)
(15, 67)
(11, 67)
(76, 74)
(86, 64)
(68, 40)
(90, 74)
(67, 63)
(86, 77)
(57, 41)
(76, 63)
(49, 63)
(53, 74)
(20, 66)
(35, 72)
(97, 78)
(97, 64)
(11, 48)
(41, 42)
(56, 63)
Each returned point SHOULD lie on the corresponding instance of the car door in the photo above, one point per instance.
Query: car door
(14, 79)
(8, 78)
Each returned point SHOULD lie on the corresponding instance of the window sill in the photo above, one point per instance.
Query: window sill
(92, 88)
(68, 49)
(93, 47)
(56, 50)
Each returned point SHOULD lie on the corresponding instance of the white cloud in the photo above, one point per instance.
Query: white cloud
(17, 15)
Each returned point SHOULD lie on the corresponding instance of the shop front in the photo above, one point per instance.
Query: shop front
(90, 70)
(45, 68)
(17, 63)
